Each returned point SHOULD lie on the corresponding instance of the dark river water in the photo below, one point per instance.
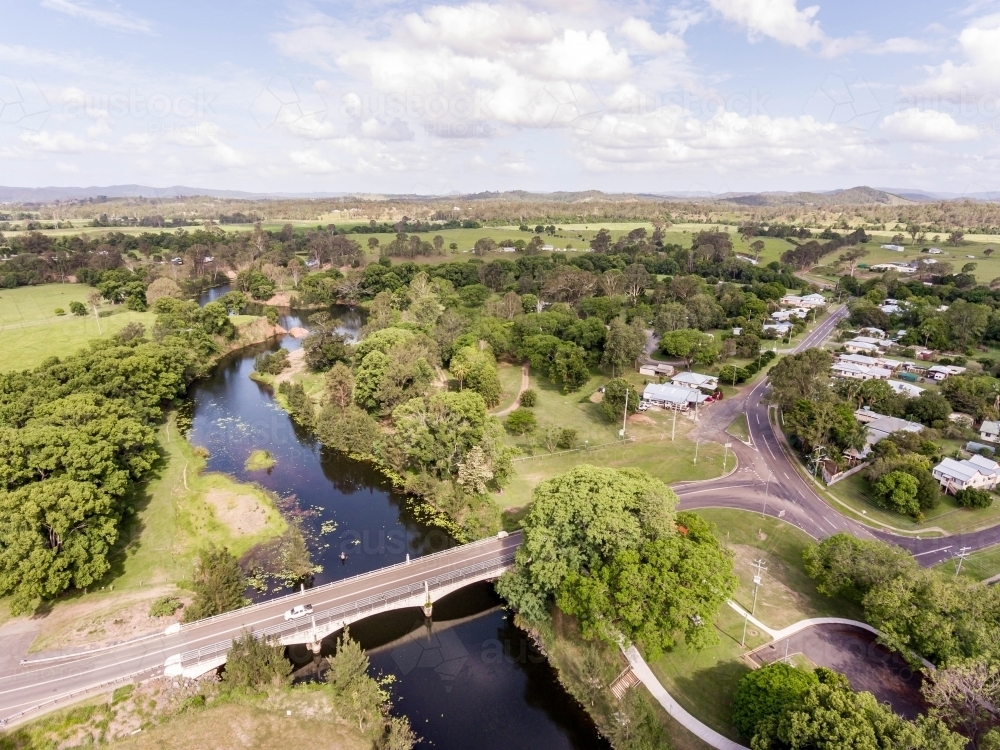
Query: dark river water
(469, 678)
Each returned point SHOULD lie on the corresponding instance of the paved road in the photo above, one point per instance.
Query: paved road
(34, 684)
(767, 477)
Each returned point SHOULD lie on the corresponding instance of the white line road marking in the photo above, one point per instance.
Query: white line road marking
(829, 522)
(932, 551)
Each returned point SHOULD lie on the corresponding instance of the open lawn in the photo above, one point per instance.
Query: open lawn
(982, 565)
(179, 510)
(948, 516)
(653, 451)
(510, 380)
(704, 681)
(30, 330)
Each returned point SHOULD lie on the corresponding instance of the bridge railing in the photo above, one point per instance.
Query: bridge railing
(434, 557)
(355, 610)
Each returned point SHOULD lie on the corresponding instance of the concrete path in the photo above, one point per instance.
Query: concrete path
(525, 382)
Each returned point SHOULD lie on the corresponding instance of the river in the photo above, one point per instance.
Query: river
(470, 678)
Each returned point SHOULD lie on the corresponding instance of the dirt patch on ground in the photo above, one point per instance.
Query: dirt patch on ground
(297, 363)
(241, 513)
(96, 620)
(298, 332)
(596, 397)
(640, 419)
(281, 299)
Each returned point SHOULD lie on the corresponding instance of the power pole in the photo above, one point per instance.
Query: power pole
(673, 430)
(696, 444)
(962, 554)
(757, 580)
(725, 456)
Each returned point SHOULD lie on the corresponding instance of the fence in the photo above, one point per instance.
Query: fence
(831, 479)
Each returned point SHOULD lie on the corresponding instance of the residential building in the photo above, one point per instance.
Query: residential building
(863, 345)
(746, 259)
(940, 372)
(860, 372)
(872, 333)
(906, 389)
(894, 248)
(934, 250)
(977, 472)
(990, 431)
(657, 370)
(781, 329)
(695, 380)
(879, 427)
(786, 315)
(668, 396)
(890, 309)
(899, 267)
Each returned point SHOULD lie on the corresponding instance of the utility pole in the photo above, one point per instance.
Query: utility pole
(743, 641)
(759, 564)
(767, 486)
(725, 455)
(673, 430)
(696, 444)
(962, 554)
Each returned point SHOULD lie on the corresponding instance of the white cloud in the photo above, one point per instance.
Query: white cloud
(311, 162)
(645, 39)
(899, 45)
(60, 142)
(780, 20)
(926, 125)
(108, 18)
(979, 74)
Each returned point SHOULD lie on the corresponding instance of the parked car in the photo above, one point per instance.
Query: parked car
(300, 611)
(643, 405)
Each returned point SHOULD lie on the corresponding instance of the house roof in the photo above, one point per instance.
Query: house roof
(672, 394)
(908, 388)
(985, 465)
(694, 378)
(952, 469)
(991, 427)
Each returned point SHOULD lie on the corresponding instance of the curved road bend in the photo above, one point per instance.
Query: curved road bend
(33, 685)
(767, 476)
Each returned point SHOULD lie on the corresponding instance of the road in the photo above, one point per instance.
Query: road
(37, 683)
(768, 481)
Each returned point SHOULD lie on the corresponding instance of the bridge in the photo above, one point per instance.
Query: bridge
(195, 648)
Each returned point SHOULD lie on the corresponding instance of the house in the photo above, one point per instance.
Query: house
(547, 248)
(668, 396)
(940, 372)
(990, 431)
(859, 372)
(977, 472)
(786, 315)
(934, 250)
(879, 427)
(657, 370)
(779, 328)
(894, 248)
(811, 301)
(898, 267)
(863, 345)
(747, 259)
(695, 380)
(906, 389)
(890, 309)
(508, 249)
(872, 333)
(177, 261)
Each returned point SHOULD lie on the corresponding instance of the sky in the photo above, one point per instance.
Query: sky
(706, 96)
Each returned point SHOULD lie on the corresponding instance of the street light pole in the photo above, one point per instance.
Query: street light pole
(767, 485)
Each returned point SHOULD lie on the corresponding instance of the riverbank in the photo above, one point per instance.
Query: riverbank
(179, 509)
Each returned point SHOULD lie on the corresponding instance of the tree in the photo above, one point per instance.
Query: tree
(965, 696)
(767, 692)
(665, 587)
(349, 429)
(966, 322)
(616, 392)
(77, 308)
(484, 246)
(974, 498)
(637, 280)
(831, 716)
(623, 344)
(688, 344)
(897, 490)
(578, 519)
(474, 472)
(528, 398)
(436, 432)
(340, 385)
(162, 287)
(988, 252)
(218, 584)
(801, 376)
(955, 238)
(253, 664)
(853, 256)
(521, 421)
(843, 565)
(671, 316)
(757, 246)
(931, 409)
(325, 345)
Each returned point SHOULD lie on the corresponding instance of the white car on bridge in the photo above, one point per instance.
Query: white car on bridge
(300, 611)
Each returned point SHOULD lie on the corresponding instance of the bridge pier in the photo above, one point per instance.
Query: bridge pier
(428, 604)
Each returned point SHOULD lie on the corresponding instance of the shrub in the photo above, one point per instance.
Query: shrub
(521, 421)
(730, 374)
(165, 606)
(973, 498)
(767, 692)
(528, 399)
(567, 438)
(254, 664)
(60, 311)
(77, 308)
(272, 363)
(271, 313)
(218, 584)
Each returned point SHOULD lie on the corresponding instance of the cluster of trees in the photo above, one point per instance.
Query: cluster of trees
(809, 253)
(75, 436)
(781, 707)
(608, 547)
(951, 622)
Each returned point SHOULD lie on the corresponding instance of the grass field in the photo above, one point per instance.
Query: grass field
(948, 516)
(510, 380)
(704, 681)
(979, 566)
(654, 452)
(30, 330)
(179, 510)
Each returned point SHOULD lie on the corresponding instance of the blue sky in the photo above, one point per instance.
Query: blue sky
(384, 97)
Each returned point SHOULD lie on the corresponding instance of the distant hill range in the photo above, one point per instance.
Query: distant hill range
(862, 195)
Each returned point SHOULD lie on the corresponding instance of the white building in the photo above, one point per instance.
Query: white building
(976, 472)
(695, 380)
(894, 248)
(879, 427)
(675, 397)
(784, 316)
(872, 333)
(934, 250)
(659, 370)
(779, 328)
(899, 267)
(863, 345)
(859, 372)
(906, 389)
(990, 432)
(940, 372)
